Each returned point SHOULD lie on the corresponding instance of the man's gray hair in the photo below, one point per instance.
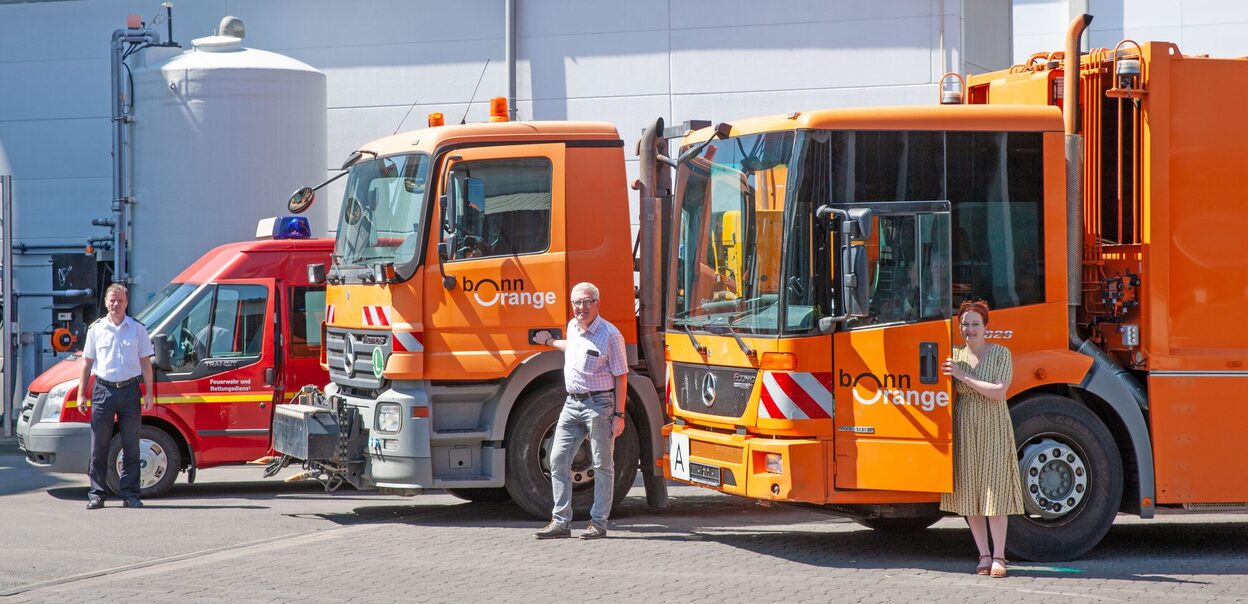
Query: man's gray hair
(117, 287)
(586, 287)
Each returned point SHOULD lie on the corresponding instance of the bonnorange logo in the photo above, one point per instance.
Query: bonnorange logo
(506, 292)
(891, 389)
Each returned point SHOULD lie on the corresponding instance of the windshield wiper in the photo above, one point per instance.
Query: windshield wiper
(702, 350)
(749, 352)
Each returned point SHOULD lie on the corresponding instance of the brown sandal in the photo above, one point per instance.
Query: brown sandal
(985, 564)
(998, 568)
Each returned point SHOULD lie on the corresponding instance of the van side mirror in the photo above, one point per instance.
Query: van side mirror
(163, 356)
(858, 225)
(854, 282)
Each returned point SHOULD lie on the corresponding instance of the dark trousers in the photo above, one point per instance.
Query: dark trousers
(124, 404)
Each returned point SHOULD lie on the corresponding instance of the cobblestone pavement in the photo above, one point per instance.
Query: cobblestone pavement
(243, 542)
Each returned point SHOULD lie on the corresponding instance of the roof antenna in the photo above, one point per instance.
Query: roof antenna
(464, 120)
(409, 112)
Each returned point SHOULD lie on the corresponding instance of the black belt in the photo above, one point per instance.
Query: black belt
(580, 396)
(121, 384)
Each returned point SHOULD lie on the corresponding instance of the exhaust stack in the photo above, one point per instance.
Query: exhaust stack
(1074, 173)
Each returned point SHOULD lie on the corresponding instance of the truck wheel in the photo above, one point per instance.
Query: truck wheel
(160, 460)
(528, 459)
(488, 495)
(898, 526)
(1072, 479)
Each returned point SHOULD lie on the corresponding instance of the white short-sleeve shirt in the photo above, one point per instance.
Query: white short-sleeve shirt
(116, 349)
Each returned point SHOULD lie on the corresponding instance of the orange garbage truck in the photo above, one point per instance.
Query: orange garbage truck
(1096, 202)
(455, 246)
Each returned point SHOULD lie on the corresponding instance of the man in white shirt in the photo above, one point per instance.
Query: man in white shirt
(595, 374)
(117, 351)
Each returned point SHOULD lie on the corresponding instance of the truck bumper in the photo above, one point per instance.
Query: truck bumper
(56, 446)
(737, 465)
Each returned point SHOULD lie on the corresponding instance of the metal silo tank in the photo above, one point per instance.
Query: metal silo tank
(222, 135)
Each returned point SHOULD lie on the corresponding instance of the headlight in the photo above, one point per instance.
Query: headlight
(55, 400)
(389, 417)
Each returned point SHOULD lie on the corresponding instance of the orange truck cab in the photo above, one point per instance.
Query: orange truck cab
(455, 246)
(1105, 234)
(236, 334)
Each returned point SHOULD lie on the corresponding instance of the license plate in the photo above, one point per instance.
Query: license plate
(704, 474)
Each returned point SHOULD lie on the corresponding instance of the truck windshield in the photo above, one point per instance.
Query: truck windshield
(729, 234)
(381, 211)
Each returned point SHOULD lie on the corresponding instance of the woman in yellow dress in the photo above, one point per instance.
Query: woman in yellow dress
(986, 485)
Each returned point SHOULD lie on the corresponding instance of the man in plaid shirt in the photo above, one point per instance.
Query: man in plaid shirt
(595, 374)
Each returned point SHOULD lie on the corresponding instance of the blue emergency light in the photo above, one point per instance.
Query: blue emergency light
(292, 227)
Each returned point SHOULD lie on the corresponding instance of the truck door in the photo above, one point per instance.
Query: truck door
(224, 366)
(893, 405)
(301, 362)
(502, 225)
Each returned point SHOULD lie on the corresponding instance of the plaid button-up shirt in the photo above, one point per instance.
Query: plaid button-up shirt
(594, 357)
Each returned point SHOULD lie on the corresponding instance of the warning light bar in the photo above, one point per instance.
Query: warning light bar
(285, 227)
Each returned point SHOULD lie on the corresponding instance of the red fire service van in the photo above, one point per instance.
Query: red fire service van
(236, 333)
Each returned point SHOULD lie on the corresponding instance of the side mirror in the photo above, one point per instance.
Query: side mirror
(854, 282)
(301, 200)
(316, 274)
(446, 249)
(163, 355)
(858, 226)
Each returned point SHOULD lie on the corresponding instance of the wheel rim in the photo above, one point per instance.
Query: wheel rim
(1055, 477)
(582, 463)
(153, 463)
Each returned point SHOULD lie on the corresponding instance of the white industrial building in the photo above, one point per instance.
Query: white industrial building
(388, 63)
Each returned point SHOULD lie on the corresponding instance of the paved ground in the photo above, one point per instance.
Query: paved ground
(233, 538)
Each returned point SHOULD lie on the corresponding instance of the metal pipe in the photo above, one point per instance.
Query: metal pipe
(8, 387)
(55, 293)
(52, 245)
(650, 225)
(509, 55)
(1074, 173)
(122, 119)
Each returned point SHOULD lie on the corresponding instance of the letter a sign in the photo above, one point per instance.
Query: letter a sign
(678, 455)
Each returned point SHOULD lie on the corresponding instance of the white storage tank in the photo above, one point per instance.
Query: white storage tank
(222, 135)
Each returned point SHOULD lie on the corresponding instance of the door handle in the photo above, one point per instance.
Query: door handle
(928, 363)
(270, 376)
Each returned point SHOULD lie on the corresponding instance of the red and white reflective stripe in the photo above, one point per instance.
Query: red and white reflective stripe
(376, 316)
(329, 314)
(408, 341)
(796, 395)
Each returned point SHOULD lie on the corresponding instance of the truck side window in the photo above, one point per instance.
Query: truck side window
(307, 310)
(185, 333)
(996, 185)
(515, 216)
(238, 321)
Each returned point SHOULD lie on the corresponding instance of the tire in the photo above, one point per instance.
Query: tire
(1072, 479)
(486, 495)
(160, 460)
(898, 526)
(528, 477)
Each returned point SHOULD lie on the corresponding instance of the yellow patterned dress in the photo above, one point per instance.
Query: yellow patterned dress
(985, 465)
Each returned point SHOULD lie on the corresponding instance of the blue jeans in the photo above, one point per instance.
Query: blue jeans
(590, 417)
(124, 404)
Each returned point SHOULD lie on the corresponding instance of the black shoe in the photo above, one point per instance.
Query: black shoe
(132, 502)
(553, 531)
(94, 502)
(594, 532)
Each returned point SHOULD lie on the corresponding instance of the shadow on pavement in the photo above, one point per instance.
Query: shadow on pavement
(16, 476)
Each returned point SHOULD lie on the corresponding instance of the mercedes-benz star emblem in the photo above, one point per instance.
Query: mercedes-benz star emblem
(348, 355)
(708, 389)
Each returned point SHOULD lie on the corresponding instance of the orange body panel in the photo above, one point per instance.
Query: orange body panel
(1196, 434)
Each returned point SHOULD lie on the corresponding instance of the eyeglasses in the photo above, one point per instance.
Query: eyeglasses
(584, 303)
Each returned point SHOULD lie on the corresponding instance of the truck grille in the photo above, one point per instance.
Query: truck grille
(28, 407)
(355, 369)
(722, 391)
